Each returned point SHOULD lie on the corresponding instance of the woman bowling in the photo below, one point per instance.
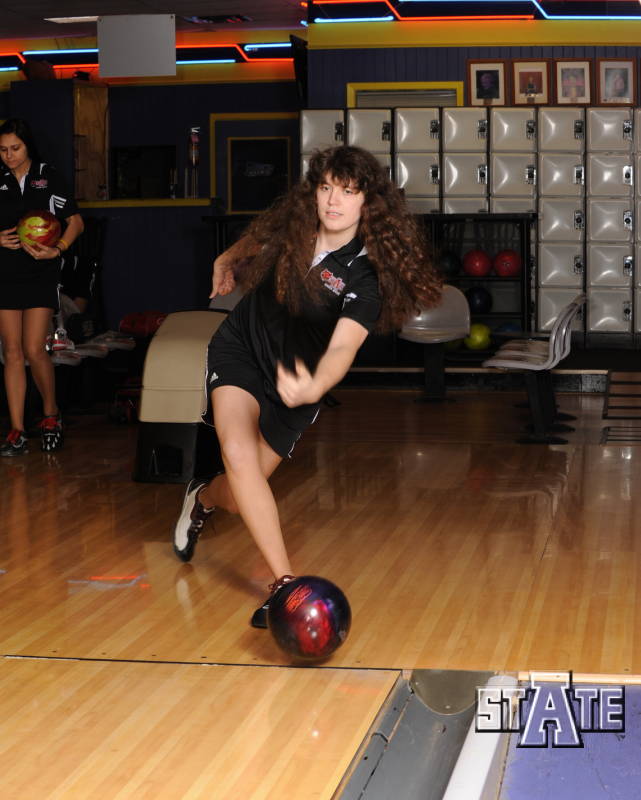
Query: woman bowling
(29, 277)
(339, 256)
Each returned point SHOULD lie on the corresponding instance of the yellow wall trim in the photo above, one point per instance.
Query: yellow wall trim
(353, 88)
(478, 33)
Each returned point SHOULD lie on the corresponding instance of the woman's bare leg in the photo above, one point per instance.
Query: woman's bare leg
(15, 379)
(36, 325)
(248, 461)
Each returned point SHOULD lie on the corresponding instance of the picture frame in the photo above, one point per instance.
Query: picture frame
(573, 78)
(486, 82)
(616, 81)
(531, 81)
(255, 181)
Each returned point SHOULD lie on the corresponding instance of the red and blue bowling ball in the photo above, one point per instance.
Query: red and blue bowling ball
(477, 263)
(479, 300)
(507, 264)
(309, 618)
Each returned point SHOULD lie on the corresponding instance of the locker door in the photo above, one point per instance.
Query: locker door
(561, 129)
(464, 129)
(418, 173)
(513, 129)
(464, 205)
(370, 128)
(561, 265)
(637, 271)
(609, 129)
(321, 128)
(423, 205)
(610, 264)
(513, 174)
(637, 129)
(561, 219)
(609, 311)
(561, 174)
(637, 313)
(512, 205)
(549, 304)
(386, 160)
(417, 129)
(610, 220)
(638, 219)
(610, 175)
(464, 174)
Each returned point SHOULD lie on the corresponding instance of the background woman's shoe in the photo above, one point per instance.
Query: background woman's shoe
(51, 434)
(14, 445)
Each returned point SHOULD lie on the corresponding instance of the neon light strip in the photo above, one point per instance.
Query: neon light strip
(428, 19)
(55, 52)
(357, 19)
(8, 69)
(263, 46)
(211, 61)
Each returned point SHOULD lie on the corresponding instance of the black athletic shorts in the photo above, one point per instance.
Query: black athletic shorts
(230, 363)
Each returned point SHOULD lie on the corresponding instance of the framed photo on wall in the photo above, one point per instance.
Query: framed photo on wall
(530, 82)
(616, 81)
(258, 171)
(573, 81)
(486, 83)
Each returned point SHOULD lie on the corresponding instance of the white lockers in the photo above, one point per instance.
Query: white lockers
(578, 168)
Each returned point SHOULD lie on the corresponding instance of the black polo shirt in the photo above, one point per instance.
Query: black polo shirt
(44, 190)
(349, 289)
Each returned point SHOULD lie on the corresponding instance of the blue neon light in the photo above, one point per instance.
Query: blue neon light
(263, 46)
(211, 61)
(56, 52)
(358, 19)
(8, 69)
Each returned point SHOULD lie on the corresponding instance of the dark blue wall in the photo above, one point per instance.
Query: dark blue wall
(331, 70)
(163, 115)
(4, 105)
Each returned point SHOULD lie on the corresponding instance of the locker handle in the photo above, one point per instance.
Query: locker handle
(627, 129)
(481, 173)
(386, 131)
(579, 174)
(481, 129)
(627, 310)
(339, 131)
(627, 220)
(579, 220)
(530, 129)
(579, 129)
(628, 264)
(530, 174)
(435, 173)
(435, 129)
(578, 265)
(628, 174)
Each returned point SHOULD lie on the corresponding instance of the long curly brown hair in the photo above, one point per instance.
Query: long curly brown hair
(281, 240)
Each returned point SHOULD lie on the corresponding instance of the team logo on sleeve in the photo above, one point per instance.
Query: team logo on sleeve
(333, 283)
(56, 202)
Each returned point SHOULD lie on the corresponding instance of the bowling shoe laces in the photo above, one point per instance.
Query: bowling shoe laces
(259, 617)
(190, 522)
(14, 445)
(51, 434)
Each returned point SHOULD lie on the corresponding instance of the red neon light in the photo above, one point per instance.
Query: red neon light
(18, 55)
(423, 19)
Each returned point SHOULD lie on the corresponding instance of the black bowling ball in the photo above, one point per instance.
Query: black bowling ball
(479, 300)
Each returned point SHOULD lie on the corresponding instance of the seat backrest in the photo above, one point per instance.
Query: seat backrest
(563, 343)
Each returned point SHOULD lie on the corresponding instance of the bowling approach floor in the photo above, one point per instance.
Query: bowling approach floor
(126, 673)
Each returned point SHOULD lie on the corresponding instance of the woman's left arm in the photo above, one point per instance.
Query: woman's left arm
(302, 387)
(75, 226)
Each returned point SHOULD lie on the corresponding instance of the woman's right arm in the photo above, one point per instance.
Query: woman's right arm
(223, 280)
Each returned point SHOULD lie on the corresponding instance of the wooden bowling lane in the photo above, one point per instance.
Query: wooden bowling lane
(456, 547)
(118, 730)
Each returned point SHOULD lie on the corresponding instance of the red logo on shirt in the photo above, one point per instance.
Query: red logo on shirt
(333, 283)
(42, 183)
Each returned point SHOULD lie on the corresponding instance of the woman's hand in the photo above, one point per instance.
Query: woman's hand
(223, 281)
(296, 388)
(9, 239)
(40, 252)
